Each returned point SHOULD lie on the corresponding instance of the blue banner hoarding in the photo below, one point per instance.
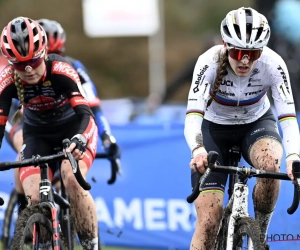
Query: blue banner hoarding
(146, 207)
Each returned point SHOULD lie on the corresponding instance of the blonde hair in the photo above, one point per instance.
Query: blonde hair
(223, 62)
(20, 91)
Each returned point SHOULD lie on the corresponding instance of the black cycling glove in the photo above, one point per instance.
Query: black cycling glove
(80, 142)
(110, 146)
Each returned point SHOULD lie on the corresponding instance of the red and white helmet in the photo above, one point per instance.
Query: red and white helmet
(55, 34)
(245, 28)
(23, 39)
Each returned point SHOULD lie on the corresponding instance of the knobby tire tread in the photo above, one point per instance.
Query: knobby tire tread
(248, 226)
(27, 217)
(221, 239)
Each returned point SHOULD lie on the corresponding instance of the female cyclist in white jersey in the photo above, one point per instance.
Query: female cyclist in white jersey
(228, 105)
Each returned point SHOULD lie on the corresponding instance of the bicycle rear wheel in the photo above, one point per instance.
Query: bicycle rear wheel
(33, 228)
(5, 238)
(247, 228)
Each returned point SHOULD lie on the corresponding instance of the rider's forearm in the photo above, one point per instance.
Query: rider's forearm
(102, 123)
(192, 129)
(291, 138)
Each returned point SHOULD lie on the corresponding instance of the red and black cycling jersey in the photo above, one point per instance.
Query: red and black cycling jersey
(52, 101)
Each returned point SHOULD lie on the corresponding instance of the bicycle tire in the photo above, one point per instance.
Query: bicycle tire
(29, 216)
(247, 226)
(221, 239)
(12, 202)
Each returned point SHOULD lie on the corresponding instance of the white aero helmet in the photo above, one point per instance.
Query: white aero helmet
(245, 28)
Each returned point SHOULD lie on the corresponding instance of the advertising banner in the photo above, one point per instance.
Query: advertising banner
(147, 207)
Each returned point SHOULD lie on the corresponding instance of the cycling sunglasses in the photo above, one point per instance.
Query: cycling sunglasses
(33, 63)
(238, 54)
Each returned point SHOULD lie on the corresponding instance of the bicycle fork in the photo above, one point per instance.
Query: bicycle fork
(47, 201)
(239, 209)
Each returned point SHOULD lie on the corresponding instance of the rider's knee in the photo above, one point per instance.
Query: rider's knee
(30, 183)
(266, 153)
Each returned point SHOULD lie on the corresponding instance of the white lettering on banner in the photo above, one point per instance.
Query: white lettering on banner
(149, 214)
(131, 213)
(153, 214)
(179, 214)
(103, 213)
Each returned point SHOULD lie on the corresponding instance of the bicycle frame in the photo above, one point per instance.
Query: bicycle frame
(239, 203)
(46, 196)
(238, 198)
(237, 207)
(47, 201)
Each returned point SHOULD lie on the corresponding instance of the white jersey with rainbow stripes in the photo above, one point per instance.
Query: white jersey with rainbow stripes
(242, 100)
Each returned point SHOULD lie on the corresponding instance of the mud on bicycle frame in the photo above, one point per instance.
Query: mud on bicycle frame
(235, 218)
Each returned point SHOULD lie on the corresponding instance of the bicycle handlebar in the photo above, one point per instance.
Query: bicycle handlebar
(38, 160)
(296, 199)
(34, 161)
(249, 172)
(211, 158)
(115, 167)
(74, 164)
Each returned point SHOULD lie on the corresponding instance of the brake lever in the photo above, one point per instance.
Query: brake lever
(74, 164)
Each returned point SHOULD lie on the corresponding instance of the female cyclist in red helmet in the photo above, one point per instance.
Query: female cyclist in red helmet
(56, 38)
(49, 90)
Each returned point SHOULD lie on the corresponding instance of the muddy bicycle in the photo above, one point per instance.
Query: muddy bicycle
(43, 222)
(12, 204)
(237, 229)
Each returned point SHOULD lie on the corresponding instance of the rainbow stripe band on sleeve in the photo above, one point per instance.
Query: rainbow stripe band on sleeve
(212, 190)
(195, 112)
(286, 117)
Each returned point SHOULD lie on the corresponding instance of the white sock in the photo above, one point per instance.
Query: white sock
(45, 246)
(264, 220)
(90, 244)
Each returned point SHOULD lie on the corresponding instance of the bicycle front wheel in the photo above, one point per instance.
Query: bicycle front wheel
(247, 228)
(221, 239)
(32, 229)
